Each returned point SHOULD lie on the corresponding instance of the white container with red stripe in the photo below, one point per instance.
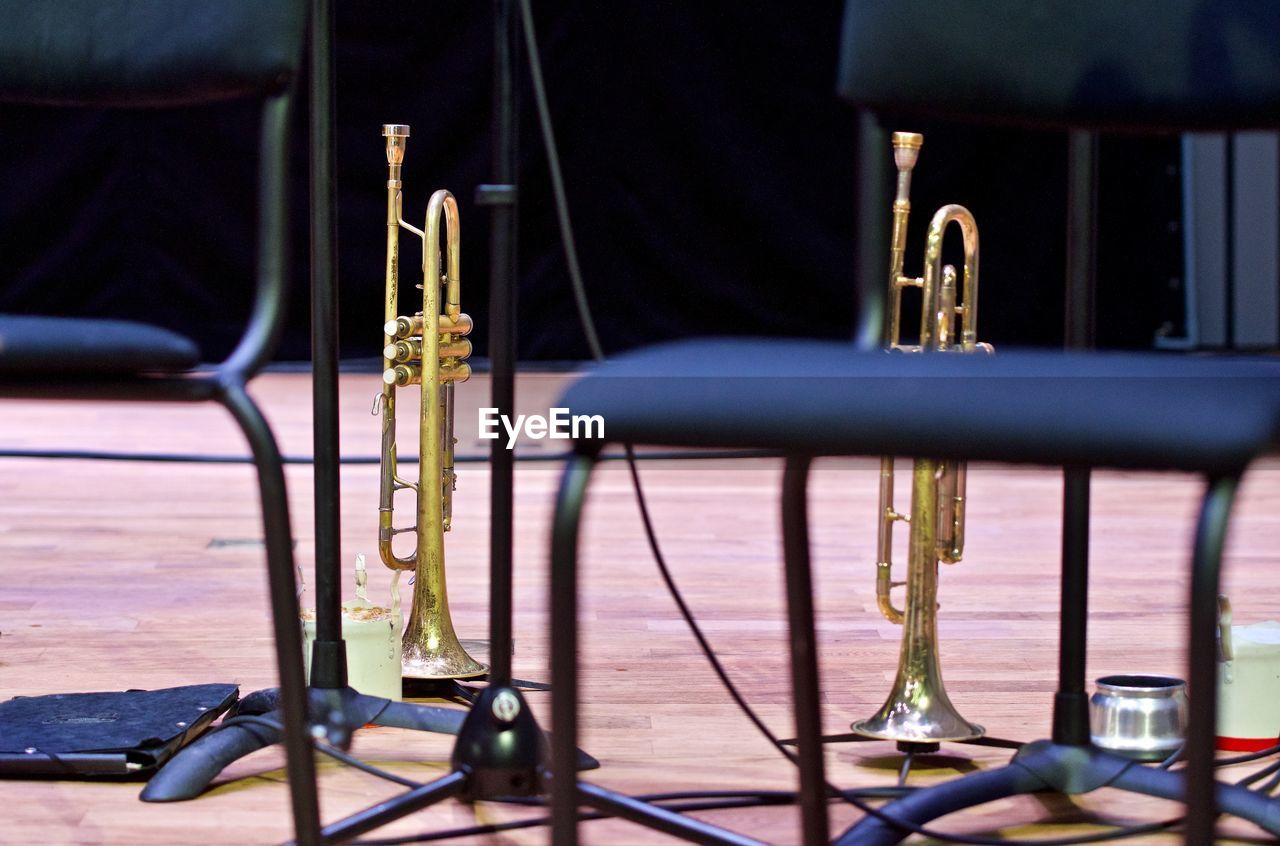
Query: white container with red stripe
(1248, 683)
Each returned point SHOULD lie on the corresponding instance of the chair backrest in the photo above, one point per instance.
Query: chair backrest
(131, 53)
(154, 53)
(1145, 65)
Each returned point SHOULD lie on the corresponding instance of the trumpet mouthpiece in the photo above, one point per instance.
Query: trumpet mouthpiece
(906, 149)
(395, 133)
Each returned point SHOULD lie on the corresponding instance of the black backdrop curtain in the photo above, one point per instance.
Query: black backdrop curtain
(708, 164)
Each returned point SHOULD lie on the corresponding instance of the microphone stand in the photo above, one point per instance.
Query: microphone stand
(500, 750)
(336, 710)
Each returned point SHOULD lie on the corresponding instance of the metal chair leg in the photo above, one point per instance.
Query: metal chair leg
(278, 537)
(564, 650)
(804, 648)
(1074, 768)
(1206, 569)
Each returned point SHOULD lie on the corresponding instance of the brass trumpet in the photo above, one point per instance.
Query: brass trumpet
(428, 349)
(918, 710)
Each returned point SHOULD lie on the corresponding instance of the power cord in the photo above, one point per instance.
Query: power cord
(207, 458)
(243, 721)
(683, 801)
(680, 801)
(597, 352)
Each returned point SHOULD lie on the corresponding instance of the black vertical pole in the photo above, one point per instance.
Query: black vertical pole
(1082, 235)
(1202, 657)
(802, 634)
(1071, 703)
(329, 655)
(501, 197)
(871, 231)
(565, 528)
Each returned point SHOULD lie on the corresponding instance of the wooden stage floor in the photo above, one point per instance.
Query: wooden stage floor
(142, 575)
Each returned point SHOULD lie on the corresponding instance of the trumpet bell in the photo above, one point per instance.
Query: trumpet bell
(918, 711)
(431, 650)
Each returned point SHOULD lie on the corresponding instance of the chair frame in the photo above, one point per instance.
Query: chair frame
(226, 384)
(1066, 763)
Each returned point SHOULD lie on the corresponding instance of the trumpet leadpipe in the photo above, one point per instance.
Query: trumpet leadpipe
(906, 151)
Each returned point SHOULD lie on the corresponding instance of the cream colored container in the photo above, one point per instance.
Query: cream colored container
(372, 635)
(1248, 683)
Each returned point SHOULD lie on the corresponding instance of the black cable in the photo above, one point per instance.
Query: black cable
(1174, 758)
(848, 796)
(1270, 785)
(206, 458)
(1247, 758)
(694, 628)
(589, 330)
(759, 797)
(681, 801)
(689, 801)
(534, 822)
(676, 801)
(694, 801)
(702, 801)
(1259, 775)
(770, 797)
(245, 720)
(557, 183)
(597, 352)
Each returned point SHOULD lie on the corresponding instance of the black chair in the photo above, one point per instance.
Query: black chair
(1084, 67)
(130, 54)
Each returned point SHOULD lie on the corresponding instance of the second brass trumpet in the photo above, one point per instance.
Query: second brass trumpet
(918, 711)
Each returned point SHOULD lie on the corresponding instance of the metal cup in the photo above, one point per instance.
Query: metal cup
(1143, 717)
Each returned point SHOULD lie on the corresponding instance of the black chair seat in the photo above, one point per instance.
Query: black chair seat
(1144, 411)
(41, 347)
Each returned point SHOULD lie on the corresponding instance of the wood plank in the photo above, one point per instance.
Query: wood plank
(113, 578)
